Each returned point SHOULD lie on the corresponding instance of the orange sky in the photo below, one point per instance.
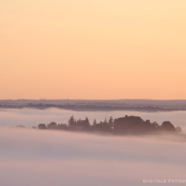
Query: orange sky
(93, 49)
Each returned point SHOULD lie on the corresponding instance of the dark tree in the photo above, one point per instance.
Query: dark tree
(42, 126)
(62, 126)
(87, 123)
(130, 124)
(167, 126)
(72, 121)
(155, 124)
(94, 123)
(52, 125)
(111, 120)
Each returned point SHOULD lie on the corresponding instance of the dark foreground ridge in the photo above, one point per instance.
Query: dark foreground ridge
(120, 126)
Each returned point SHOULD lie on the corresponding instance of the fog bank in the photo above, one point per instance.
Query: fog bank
(44, 158)
(32, 117)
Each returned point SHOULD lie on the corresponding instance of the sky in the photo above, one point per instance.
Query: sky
(93, 49)
(44, 158)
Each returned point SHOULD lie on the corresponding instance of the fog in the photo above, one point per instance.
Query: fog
(33, 157)
(32, 117)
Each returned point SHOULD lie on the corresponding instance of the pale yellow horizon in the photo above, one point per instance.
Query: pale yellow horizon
(99, 49)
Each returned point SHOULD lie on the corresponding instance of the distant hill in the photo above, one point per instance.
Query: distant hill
(123, 104)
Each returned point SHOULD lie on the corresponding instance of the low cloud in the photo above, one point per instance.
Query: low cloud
(44, 158)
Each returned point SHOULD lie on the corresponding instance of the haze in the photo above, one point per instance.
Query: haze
(30, 157)
(97, 49)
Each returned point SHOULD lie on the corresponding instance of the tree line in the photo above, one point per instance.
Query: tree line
(121, 125)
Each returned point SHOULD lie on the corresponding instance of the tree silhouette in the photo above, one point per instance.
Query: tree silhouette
(94, 123)
(111, 120)
(72, 121)
(42, 126)
(167, 126)
(122, 125)
(87, 123)
(52, 125)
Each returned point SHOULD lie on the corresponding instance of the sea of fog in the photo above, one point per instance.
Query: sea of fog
(59, 158)
(33, 117)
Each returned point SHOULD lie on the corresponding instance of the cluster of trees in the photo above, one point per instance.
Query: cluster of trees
(83, 123)
(122, 125)
(135, 124)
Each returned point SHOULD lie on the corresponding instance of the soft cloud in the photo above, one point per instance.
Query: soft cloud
(44, 158)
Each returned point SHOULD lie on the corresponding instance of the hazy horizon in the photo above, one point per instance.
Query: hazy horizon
(29, 117)
(92, 56)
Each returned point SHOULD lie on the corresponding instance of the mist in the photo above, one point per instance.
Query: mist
(44, 158)
(32, 117)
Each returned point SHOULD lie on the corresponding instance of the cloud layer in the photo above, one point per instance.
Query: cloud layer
(44, 158)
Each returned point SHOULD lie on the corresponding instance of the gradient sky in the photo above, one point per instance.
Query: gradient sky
(93, 49)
